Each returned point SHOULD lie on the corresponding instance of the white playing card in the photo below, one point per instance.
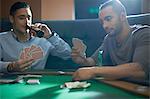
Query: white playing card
(78, 44)
(33, 51)
(76, 84)
(33, 47)
(33, 81)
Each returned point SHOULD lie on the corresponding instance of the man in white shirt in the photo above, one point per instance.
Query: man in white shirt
(20, 50)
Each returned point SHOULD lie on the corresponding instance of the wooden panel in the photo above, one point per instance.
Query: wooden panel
(35, 6)
(57, 9)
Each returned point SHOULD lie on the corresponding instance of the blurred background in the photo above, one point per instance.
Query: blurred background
(71, 9)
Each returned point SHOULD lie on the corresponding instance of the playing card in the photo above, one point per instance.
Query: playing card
(33, 51)
(33, 47)
(22, 55)
(37, 55)
(27, 52)
(78, 44)
(33, 81)
(27, 49)
(76, 84)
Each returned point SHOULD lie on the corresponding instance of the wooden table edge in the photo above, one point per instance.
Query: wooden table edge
(127, 86)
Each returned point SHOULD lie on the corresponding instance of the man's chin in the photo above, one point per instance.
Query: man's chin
(23, 32)
(112, 33)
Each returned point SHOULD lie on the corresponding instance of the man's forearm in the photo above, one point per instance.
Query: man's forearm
(131, 70)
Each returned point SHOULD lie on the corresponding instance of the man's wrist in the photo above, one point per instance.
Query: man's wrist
(85, 61)
(10, 67)
(52, 34)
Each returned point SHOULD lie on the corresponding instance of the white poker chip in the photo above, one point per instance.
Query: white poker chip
(61, 72)
(33, 81)
(76, 84)
(142, 88)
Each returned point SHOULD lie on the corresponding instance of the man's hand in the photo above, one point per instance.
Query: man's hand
(33, 51)
(20, 65)
(77, 57)
(84, 73)
(44, 28)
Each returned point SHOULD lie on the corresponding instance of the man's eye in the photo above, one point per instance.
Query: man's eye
(21, 18)
(108, 18)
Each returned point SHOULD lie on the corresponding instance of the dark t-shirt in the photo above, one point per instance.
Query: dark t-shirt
(135, 48)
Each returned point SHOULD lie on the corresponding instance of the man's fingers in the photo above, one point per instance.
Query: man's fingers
(76, 75)
(74, 49)
(36, 26)
(43, 26)
(32, 32)
(75, 55)
(26, 65)
(22, 64)
(23, 61)
(24, 69)
(75, 52)
(40, 26)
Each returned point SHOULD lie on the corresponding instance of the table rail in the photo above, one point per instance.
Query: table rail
(135, 88)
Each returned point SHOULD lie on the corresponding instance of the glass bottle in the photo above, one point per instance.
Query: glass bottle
(100, 58)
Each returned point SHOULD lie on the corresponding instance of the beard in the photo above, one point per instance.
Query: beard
(23, 31)
(115, 30)
(111, 31)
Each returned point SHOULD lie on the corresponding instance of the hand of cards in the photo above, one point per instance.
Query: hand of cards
(76, 84)
(33, 51)
(78, 44)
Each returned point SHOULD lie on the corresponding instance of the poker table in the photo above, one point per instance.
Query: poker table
(49, 88)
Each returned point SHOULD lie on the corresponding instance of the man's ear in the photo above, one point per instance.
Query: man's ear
(122, 16)
(11, 19)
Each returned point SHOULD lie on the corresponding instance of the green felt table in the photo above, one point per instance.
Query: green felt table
(49, 88)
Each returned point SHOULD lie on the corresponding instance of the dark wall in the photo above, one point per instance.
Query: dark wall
(88, 9)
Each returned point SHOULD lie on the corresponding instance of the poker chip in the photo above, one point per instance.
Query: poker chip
(76, 84)
(61, 72)
(142, 88)
(33, 81)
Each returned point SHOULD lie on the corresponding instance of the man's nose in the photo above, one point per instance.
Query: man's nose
(105, 25)
(28, 22)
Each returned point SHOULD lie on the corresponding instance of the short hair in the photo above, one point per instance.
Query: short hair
(18, 5)
(116, 5)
